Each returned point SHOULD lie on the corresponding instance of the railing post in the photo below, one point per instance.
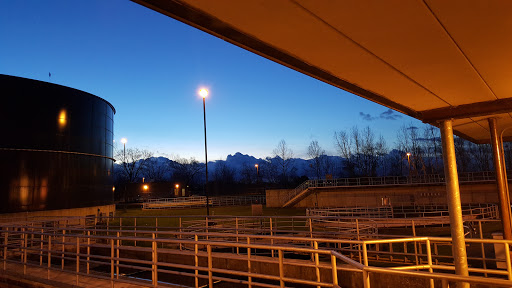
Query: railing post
(24, 256)
(429, 261)
(415, 246)
(366, 276)
(154, 261)
(135, 233)
(117, 254)
(484, 263)
(206, 228)
(507, 257)
(6, 242)
(77, 259)
(334, 271)
(112, 263)
(120, 228)
(271, 239)
(311, 236)
(88, 249)
(317, 264)
(49, 257)
(249, 279)
(358, 239)
(181, 231)
(210, 265)
(281, 268)
(196, 261)
(63, 247)
(236, 228)
(41, 246)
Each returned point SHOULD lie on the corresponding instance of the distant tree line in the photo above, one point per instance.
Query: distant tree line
(361, 153)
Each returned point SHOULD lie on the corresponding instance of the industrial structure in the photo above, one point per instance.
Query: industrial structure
(56, 147)
(441, 62)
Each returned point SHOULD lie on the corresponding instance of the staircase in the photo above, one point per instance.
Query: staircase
(298, 194)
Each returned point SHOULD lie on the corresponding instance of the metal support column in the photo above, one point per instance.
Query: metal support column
(501, 179)
(453, 197)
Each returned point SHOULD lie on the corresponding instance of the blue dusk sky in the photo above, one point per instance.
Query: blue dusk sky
(150, 67)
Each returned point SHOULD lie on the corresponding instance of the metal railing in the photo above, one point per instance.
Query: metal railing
(109, 253)
(464, 177)
(480, 211)
(200, 201)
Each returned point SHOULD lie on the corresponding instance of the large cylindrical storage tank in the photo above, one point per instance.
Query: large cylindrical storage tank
(56, 147)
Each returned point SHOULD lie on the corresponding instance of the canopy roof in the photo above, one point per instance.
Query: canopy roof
(431, 59)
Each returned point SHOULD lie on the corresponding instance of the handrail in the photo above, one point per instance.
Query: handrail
(52, 242)
(464, 177)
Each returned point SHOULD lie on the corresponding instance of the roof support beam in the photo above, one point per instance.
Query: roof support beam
(486, 108)
(454, 207)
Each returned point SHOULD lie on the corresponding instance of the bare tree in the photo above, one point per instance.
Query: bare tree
(223, 173)
(186, 170)
(156, 169)
(315, 153)
(248, 174)
(343, 144)
(462, 153)
(381, 151)
(432, 149)
(133, 162)
(284, 158)
(269, 169)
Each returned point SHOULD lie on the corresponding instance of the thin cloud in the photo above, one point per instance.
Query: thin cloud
(366, 116)
(390, 115)
(386, 115)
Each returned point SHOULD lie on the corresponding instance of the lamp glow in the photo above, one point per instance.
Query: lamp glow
(203, 93)
(123, 140)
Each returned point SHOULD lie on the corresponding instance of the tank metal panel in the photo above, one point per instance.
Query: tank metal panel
(56, 147)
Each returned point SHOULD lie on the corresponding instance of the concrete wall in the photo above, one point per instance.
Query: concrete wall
(398, 195)
(85, 211)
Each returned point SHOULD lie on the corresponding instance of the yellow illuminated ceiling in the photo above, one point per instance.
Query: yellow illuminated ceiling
(431, 59)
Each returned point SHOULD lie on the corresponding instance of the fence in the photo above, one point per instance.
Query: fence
(471, 211)
(200, 201)
(464, 177)
(90, 251)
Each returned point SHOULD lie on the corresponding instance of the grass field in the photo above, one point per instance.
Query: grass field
(214, 211)
(147, 217)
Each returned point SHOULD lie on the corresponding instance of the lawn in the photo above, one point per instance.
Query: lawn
(148, 217)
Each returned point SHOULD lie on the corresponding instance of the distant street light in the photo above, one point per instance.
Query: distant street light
(257, 172)
(123, 140)
(203, 93)
(145, 187)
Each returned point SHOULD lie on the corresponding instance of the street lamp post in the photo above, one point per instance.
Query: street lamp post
(123, 140)
(409, 165)
(204, 93)
(257, 172)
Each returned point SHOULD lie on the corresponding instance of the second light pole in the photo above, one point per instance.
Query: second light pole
(204, 93)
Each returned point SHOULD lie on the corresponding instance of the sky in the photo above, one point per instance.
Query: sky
(150, 68)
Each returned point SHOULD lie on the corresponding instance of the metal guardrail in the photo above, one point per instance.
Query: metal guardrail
(80, 250)
(200, 201)
(476, 211)
(390, 181)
